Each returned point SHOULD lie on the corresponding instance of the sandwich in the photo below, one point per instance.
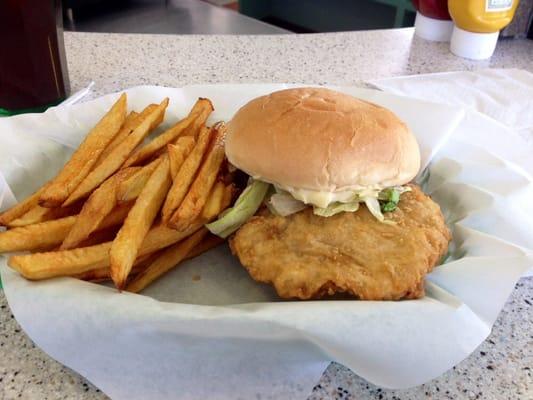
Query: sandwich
(330, 206)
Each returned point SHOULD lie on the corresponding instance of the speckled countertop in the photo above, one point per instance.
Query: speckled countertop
(501, 368)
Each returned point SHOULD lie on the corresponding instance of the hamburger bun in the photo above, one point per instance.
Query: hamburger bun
(321, 140)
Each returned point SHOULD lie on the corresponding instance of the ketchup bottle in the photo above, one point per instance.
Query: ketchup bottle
(33, 68)
(433, 22)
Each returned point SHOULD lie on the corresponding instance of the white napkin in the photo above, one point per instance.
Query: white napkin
(505, 95)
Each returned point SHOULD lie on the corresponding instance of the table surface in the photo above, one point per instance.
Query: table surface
(500, 368)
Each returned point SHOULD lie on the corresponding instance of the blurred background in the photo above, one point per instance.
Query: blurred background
(250, 16)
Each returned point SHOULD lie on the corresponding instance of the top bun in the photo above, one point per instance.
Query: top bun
(322, 140)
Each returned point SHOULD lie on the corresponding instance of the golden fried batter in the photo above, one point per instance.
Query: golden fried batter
(306, 256)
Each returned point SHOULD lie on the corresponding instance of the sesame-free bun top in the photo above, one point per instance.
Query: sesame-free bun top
(321, 140)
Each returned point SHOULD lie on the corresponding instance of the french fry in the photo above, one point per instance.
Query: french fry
(36, 236)
(76, 261)
(117, 216)
(185, 176)
(116, 158)
(95, 275)
(109, 227)
(130, 188)
(133, 120)
(19, 209)
(50, 233)
(173, 255)
(41, 214)
(34, 216)
(200, 112)
(141, 263)
(161, 236)
(99, 237)
(60, 263)
(130, 237)
(214, 201)
(196, 126)
(129, 125)
(168, 260)
(103, 235)
(98, 219)
(83, 159)
(101, 202)
(194, 201)
(104, 273)
(210, 242)
(178, 152)
(228, 196)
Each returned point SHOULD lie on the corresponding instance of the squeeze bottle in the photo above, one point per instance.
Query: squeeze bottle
(478, 24)
(433, 22)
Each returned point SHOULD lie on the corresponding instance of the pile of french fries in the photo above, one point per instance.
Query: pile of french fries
(123, 209)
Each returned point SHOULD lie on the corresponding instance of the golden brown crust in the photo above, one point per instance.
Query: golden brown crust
(319, 139)
(306, 256)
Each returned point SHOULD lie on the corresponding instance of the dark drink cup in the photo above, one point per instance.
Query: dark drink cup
(33, 68)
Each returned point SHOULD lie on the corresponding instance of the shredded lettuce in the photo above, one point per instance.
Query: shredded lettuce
(373, 206)
(284, 204)
(390, 197)
(335, 208)
(245, 207)
(390, 194)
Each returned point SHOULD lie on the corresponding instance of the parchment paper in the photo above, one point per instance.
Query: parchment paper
(227, 337)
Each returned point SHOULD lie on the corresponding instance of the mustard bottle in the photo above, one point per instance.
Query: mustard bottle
(478, 24)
